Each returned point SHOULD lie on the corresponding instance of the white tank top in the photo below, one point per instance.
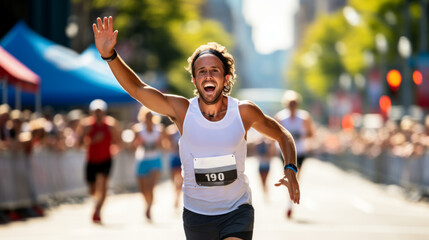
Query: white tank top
(296, 127)
(148, 150)
(202, 138)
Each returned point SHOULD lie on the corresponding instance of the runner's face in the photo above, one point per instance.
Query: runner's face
(148, 119)
(209, 78)
(98, 114)
(293, 105)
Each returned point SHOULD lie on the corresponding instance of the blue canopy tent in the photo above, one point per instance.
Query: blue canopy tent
(67, 78)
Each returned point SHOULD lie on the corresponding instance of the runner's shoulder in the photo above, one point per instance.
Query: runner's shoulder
(110, 121)
(180, 105)
(247, 106)
(303, 114)
(249, 110)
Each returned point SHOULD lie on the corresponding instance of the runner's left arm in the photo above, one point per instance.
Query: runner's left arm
(252, 116)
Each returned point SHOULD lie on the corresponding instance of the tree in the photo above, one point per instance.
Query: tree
(334, 44)
(162, 35)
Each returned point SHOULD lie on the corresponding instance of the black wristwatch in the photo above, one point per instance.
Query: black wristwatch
(292, 167)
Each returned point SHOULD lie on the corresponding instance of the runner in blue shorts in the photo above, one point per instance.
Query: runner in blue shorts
(148, 155)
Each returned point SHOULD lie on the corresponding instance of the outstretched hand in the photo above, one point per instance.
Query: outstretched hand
(290, 181)
(105, 37)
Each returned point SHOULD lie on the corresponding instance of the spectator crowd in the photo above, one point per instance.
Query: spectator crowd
(406, 140)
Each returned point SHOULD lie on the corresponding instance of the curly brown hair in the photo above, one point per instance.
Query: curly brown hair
(220, 52)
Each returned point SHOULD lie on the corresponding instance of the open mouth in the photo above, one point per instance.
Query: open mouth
(209, 88)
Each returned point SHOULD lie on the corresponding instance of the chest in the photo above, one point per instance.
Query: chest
(150, 136)
(99, 129)
(213, 138)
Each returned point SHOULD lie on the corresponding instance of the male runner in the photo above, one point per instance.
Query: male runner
(299, 123)
(213, 127)
(98, 136)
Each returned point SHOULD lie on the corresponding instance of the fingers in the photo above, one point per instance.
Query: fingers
(293, 189)
(294, 192)
(115, 34)
(99, 24)
(291, 195)
(94, 28)
(105, 23)
(290, 190)
(110, 24)
(297, 194)
(282, 181)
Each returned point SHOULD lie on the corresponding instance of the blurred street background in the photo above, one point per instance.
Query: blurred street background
(361, 67)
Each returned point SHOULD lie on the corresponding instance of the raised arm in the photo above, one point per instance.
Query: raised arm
(165, 104)
(252, 116)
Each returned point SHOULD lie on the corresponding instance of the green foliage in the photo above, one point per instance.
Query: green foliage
(333, 46)
(163, 34)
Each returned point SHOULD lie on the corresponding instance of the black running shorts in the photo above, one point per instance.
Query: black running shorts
(92, 169)
(238, 223)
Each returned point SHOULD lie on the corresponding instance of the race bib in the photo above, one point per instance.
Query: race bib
(215, 171)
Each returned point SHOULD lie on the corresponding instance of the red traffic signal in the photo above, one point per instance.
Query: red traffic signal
(417, 77)
(385, 103)
(394, 79)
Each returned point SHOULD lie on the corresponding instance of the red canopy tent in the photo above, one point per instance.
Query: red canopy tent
(17, 74)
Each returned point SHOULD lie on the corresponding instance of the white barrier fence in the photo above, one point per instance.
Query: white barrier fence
(410, 173)
(47, 174)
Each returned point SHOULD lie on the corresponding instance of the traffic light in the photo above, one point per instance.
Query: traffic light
(417, 77)
(394, 79)
(385, 103)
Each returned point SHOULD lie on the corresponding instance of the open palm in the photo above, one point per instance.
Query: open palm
(105, 37)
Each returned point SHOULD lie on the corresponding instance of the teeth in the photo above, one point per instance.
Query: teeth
(209, 85)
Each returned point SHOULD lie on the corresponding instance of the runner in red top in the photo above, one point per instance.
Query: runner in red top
(99, 136)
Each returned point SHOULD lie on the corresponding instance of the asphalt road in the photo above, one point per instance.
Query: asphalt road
(334, 205)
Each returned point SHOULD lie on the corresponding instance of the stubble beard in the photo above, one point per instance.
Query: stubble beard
(218, 96)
